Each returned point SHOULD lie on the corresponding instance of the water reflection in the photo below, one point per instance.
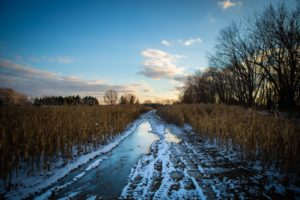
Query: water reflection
(108, 179)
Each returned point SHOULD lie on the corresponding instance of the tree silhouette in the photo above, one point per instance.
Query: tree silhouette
(111, 97)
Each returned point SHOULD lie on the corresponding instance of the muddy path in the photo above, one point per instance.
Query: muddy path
(183, 165)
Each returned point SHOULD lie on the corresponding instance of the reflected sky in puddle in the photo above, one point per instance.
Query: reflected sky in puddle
(171, 137)
(108, 179)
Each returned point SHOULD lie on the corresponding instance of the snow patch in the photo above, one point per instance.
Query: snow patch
(171, 137)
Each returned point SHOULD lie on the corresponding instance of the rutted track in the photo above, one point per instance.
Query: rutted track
(190, 167)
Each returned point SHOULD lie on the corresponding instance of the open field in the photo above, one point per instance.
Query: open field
(34, 136)
(271, 140)
(154, 158)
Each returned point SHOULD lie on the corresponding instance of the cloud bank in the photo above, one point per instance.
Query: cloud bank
(35, 82)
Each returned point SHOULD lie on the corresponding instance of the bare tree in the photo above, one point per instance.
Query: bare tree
(111, 97)
(198, 88)
(254, 63)
(278, 31)
(236, 54)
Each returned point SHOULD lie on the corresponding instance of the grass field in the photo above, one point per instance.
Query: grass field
(272, 140)
(34, 136)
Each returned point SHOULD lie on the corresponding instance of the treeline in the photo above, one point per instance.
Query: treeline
(111, 98)
(129, 99)
(69, 100)
(255, 63)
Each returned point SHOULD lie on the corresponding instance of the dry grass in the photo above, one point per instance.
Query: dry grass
(273, 140)
(37, 135)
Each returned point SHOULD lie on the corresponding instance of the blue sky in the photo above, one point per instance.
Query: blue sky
(71, 47)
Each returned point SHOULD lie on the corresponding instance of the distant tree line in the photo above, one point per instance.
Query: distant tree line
(111, 98)
(68, 100)
(255, 63)
(9, 97)
(129, 99)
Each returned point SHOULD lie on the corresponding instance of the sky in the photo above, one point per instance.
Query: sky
(144, 47)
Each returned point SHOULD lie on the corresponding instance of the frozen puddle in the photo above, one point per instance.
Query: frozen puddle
(106, 175)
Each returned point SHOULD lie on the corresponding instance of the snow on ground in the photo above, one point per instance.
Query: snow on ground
(27, 185)
(181, 165)
(156, 176)
(48, 193)
(184, 165)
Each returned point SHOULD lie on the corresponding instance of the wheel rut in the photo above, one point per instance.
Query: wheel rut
(184, 165)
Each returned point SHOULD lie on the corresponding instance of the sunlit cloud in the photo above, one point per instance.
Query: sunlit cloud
(227, 4)
(35, 82)
(158, 64)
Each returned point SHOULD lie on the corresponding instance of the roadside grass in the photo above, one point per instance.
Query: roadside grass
(35, 136)
(274, 141)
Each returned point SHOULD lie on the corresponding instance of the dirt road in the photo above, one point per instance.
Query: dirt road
(182, 164)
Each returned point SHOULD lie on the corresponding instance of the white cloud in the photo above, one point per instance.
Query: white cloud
(185, 42)
(53, 59)
(227, 4)
(190, 41)
(35, 82)
(158, 64)
(166, 43)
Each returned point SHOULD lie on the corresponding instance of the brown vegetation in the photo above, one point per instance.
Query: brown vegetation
(272, 140)
(38, 135)
(10, 97)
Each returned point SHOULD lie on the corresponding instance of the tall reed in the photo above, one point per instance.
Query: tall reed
(38, 135)
(273, 140)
